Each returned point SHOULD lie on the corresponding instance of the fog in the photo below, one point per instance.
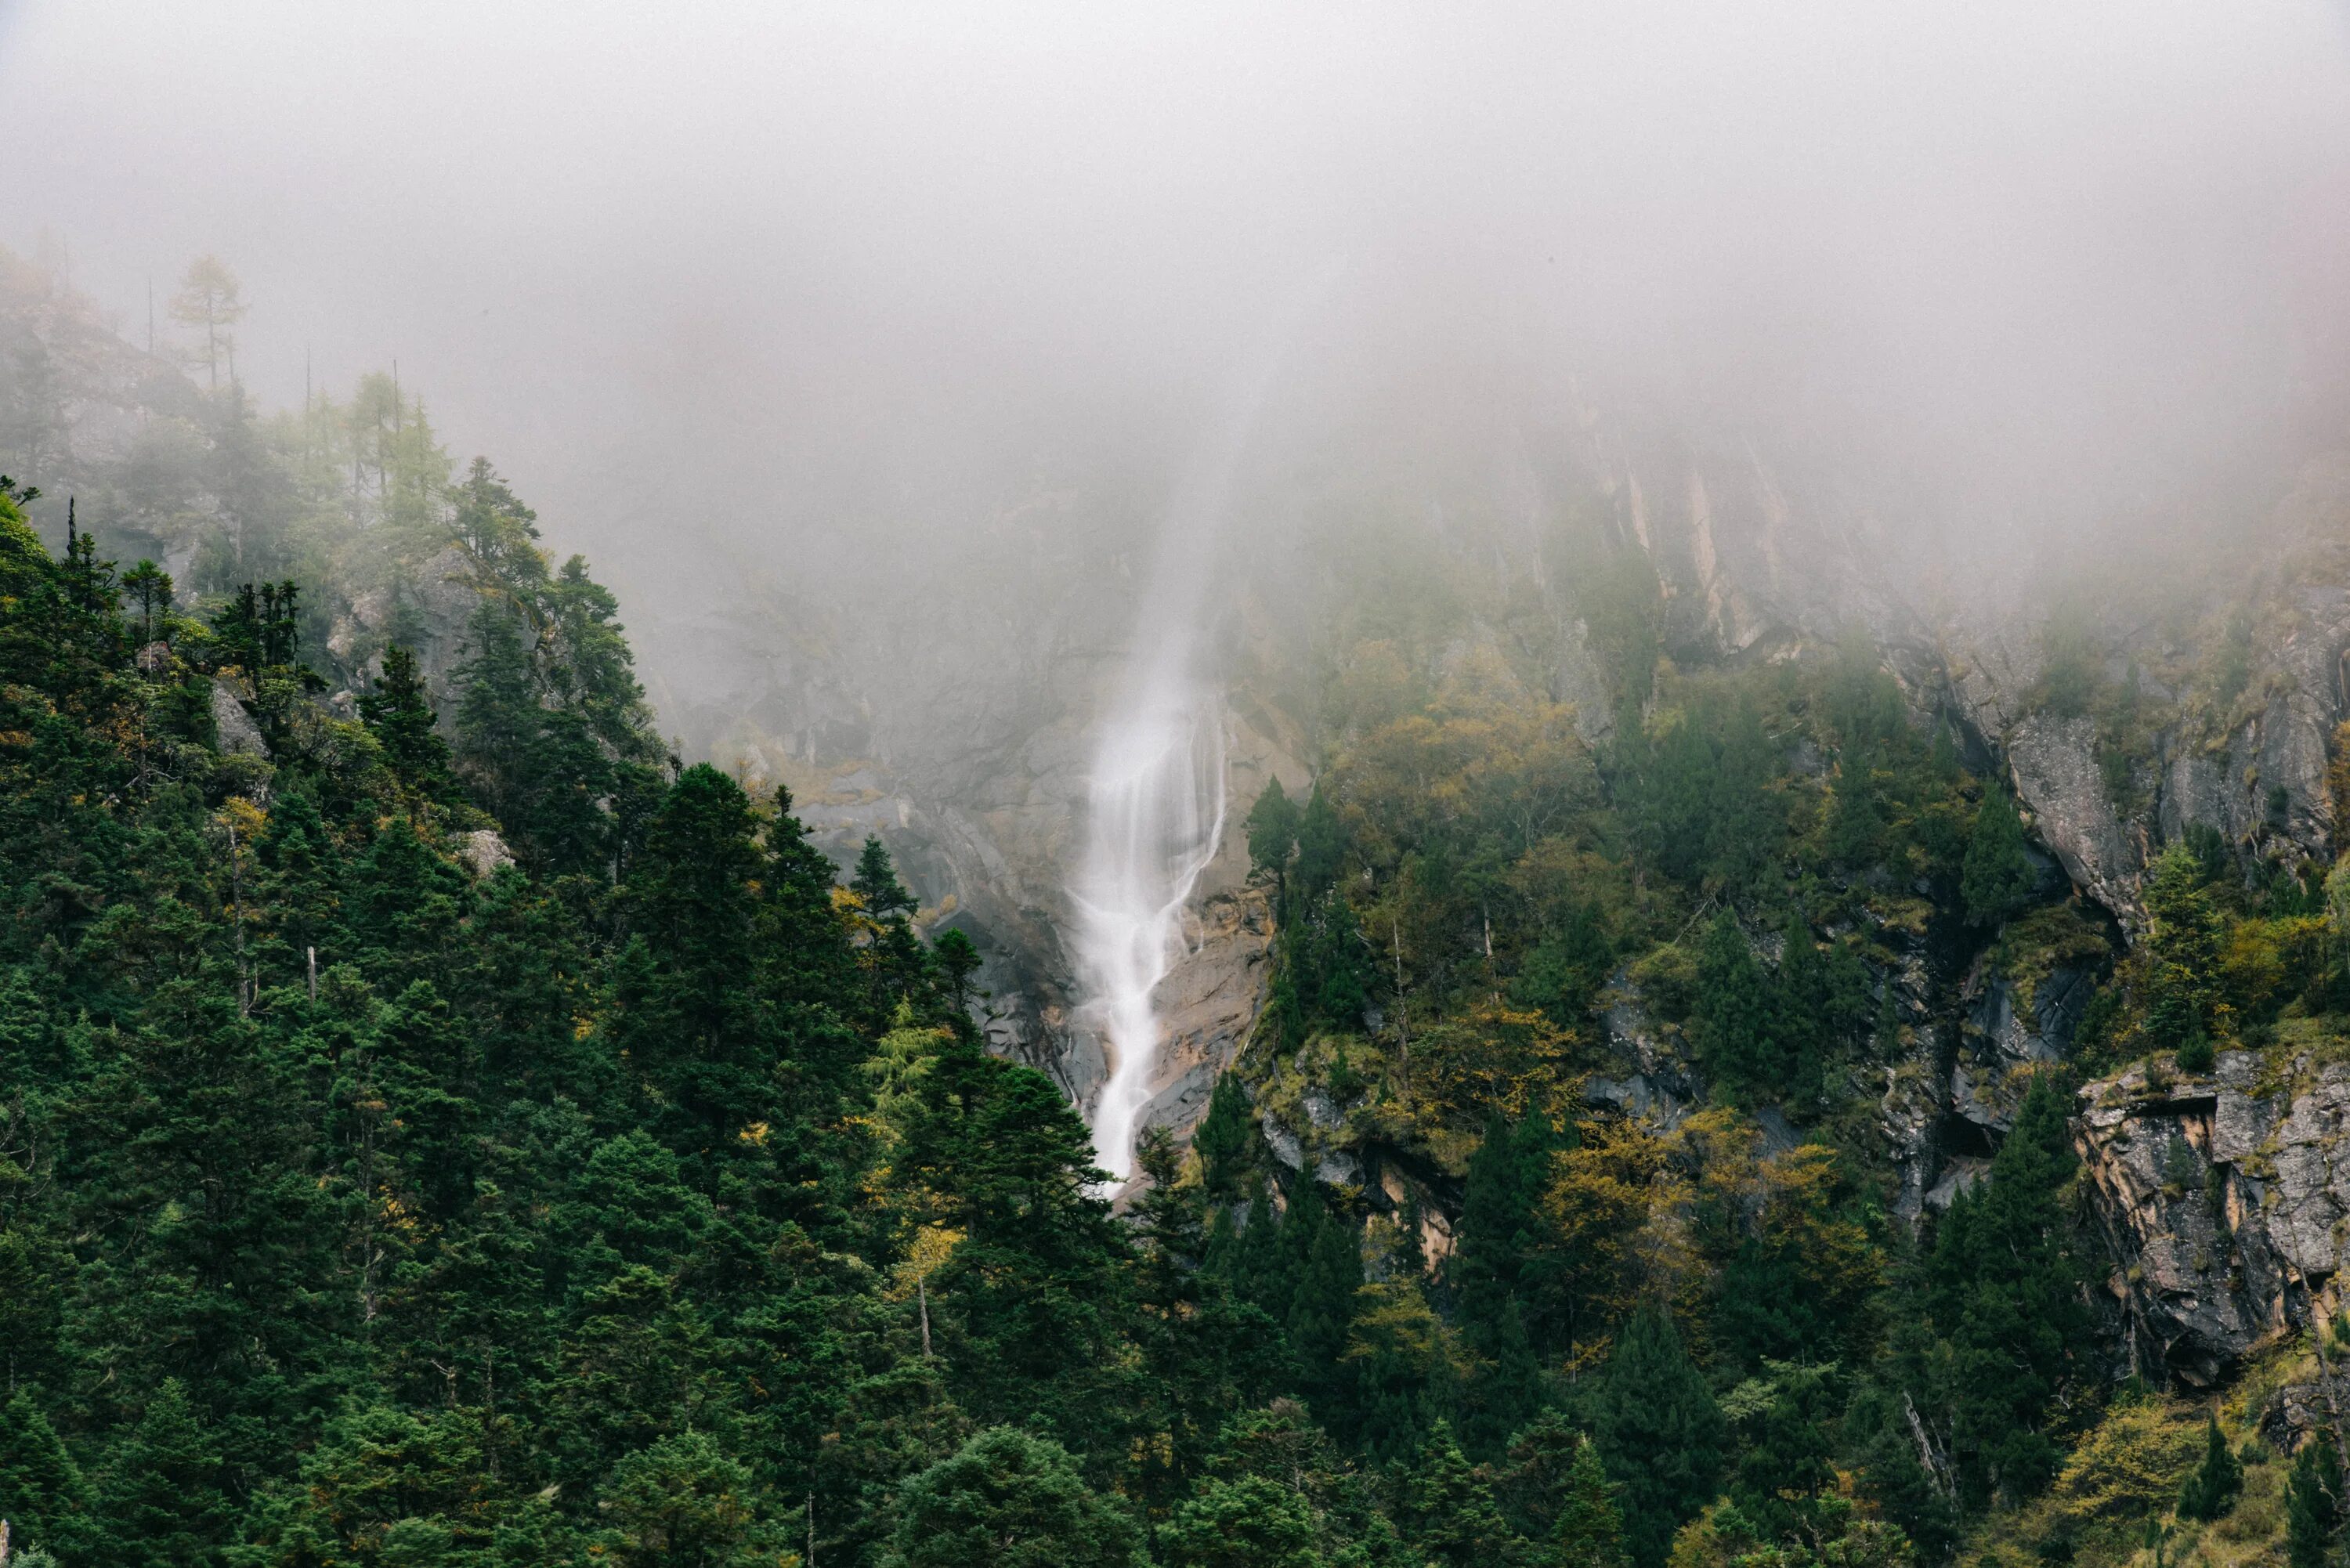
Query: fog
(810, 296)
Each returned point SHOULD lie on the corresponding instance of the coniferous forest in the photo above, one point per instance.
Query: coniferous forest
(1668, 703)
(457, 1131)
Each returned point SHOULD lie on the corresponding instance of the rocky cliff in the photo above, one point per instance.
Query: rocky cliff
(2225, 1202)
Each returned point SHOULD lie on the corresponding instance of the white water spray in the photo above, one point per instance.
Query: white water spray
(1155, 802)
(1156, 810)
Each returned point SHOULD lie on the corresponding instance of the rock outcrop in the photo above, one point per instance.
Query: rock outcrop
(2223, 1202)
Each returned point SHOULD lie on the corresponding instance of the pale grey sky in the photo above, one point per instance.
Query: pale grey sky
(712, 279)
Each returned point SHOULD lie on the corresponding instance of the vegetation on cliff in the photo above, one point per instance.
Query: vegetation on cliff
(447, 1130)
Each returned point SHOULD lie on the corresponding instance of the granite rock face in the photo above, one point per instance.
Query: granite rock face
(2223, 1202)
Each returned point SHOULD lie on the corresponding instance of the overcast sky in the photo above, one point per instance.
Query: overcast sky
(717, 281)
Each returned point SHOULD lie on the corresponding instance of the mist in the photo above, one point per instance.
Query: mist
(813, 297)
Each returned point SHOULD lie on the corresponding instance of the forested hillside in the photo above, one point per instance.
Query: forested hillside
(1716, 1120)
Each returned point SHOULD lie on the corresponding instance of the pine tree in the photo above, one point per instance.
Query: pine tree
(697, 1029)
(399, 713)
(43, 1494)
(1010, 1497)
(150, 587)
(1272, 840)
(2182, 948)
(162, 1506)
(1741, 829)
(1589, 1531)
(876, 883)
(1222, 1140)
(2211, 1491)
(1326, 1263)
(2314, 1502)
(1446, 1511)
(1659, 1432)
(1997, 879)
(1500, 1273)
(2004, 1289)
(1248, 1522)
(1321, 844)
(1733, 1014)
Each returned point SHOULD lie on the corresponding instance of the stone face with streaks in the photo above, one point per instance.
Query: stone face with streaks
(2222, 1200)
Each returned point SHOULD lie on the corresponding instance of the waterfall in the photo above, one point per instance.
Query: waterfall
(1154, 815)
(1155, 799)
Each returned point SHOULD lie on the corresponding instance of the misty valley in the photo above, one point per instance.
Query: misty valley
(1371, 824)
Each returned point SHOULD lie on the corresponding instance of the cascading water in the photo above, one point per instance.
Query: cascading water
(1155, 801)
(1156, 813)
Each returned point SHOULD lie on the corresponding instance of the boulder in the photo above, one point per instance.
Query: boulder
(234, 728)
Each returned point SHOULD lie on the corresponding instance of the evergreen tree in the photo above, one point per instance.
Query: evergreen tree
(1741, 829)
(1327, 1269)
(684, 1500)
(1446, 1512)
(1249, 1522)
(162, 1505)
(400, 714)
(43, 1495)
(876, 883)
(2212, 1490)
(1500, 1273)
(2183, 1009)
(1014, 1498)
(2003, 1290)
(1997, 879)
(2314, 1502)
(1321, 844)
(1660, 1434)
(1589, 1531)
(1272, 839)
(1222, 1140)
(1733, 1011)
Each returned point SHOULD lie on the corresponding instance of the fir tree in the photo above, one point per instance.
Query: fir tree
(1589, 1531)
(43, 1494)
(163, 1505)
(1733, 1014)
(1659, 1432)
(1446, 1512)
(1248, 1522)
(1012, 1498)
(1222, 1140)
(2182, 948)
(2211, 1491)
(1996, 878)
(399, 713)
(2314, 1502)
(876, 883)
(1272, 840)
(2004, 1288)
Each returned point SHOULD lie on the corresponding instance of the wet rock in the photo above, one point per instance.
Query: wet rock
(430, 607)
(1908, 1116)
